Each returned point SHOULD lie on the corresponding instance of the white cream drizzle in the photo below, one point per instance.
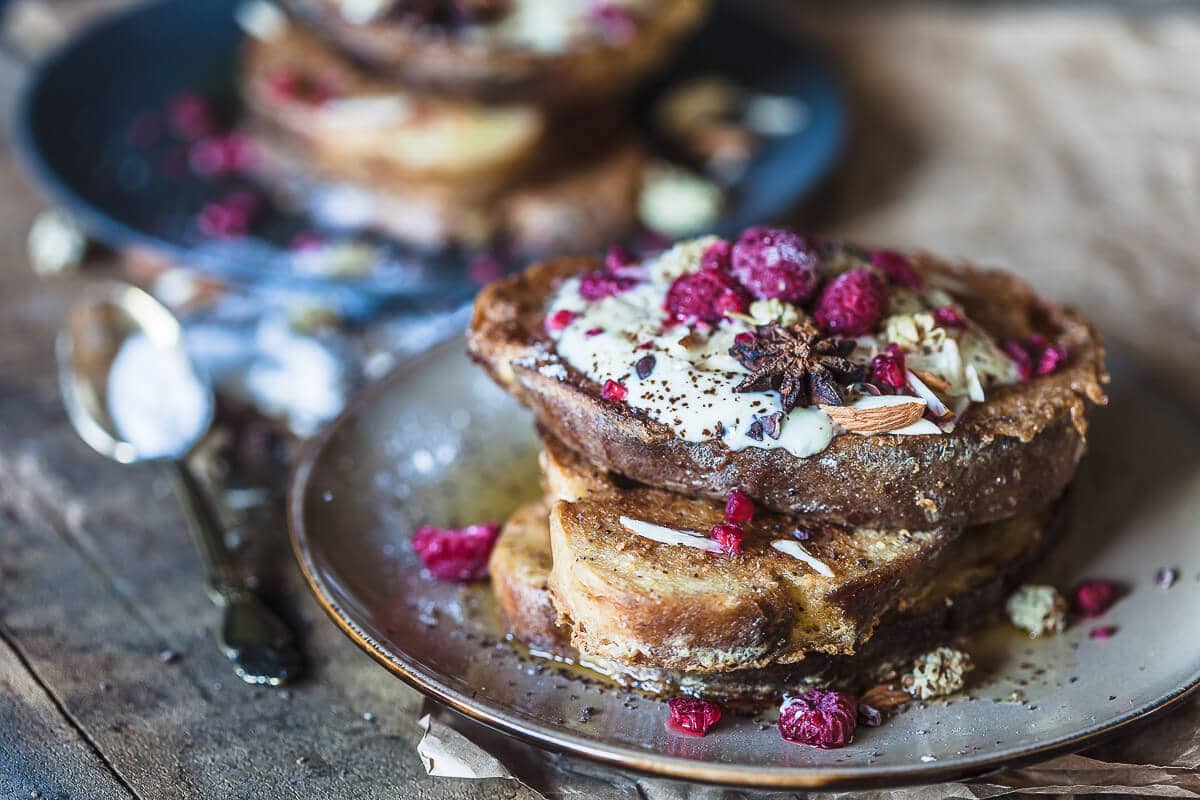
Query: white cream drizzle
(690, 388)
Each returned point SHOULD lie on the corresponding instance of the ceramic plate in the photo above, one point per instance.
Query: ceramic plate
(89, 127)
(438, 442)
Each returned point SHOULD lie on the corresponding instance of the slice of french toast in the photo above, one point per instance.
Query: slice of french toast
(972, 577)
(527, 51)
(1000, 381)
(629, 573)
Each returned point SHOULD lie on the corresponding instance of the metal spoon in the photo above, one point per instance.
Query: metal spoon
(259, 644)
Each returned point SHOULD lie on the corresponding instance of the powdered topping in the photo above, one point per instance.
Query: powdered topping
(749, 343)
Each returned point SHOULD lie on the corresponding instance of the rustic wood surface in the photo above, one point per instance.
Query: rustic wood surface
(1060, 141)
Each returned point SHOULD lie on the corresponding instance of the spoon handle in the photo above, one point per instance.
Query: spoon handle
(259, 644)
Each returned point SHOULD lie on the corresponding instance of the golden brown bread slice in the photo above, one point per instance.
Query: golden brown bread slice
(1015, 452)
(638, 601)
(972, 577)
(496, 68)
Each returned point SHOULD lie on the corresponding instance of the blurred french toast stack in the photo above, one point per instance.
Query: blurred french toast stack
(498, 124)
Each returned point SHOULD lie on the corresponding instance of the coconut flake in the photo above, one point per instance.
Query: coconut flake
(658, 533)
(793, 548)
(974, 385)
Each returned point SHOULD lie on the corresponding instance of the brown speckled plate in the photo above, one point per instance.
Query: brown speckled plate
(438, 442)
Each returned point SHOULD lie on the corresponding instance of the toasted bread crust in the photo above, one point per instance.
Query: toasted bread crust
(1015, 452)
(520, 568)
(442, 64)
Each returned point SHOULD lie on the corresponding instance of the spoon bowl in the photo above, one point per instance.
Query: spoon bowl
(97, 329)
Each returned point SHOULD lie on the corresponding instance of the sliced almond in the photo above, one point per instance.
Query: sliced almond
(884, 697)
(877, 414)
(931, 380)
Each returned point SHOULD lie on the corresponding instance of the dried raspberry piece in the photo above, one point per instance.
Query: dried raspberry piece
(739, 507)
(190, 115)
(743, 338)
(703, 296)
(456, 554)
(773, 263)
(852, 304)
(1094, 596)
(717, 256)
(948, 317)
(599, 284)
(1102, 632)
(613, 391)
(729, 535)
(229, 217)
(220, 155)
(560, 319)
(819, 718)
(888, 370)
(692, 716)
(896, 268)
(618, 259)
(1020, 356)
(1051, 359)
(590, 332)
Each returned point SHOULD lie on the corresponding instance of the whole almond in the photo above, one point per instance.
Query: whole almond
(877, 414)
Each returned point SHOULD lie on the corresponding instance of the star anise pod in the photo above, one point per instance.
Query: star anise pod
(798, 361)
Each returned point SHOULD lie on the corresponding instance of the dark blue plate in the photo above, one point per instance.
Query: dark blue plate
(76, 116)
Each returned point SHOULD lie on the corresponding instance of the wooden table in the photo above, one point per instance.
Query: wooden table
(1060, 141)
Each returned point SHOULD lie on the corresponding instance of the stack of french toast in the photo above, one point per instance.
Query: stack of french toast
(497, 124)
(779, 459)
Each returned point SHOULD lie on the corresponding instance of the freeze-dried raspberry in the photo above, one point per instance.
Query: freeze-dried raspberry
(599, 284)
(1102, 632)
(1020, 356)
(888, 370)
(456, 554)
(704, 296)
(613, 391)
(773, 263)
(896, 268)
(739, 507)
(852, 304)
(560, 319)
(1094, 596)
(948, 317)
(729, 535)
(1051, 359)
(820, 718)
(692, 716)
(717, 256)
